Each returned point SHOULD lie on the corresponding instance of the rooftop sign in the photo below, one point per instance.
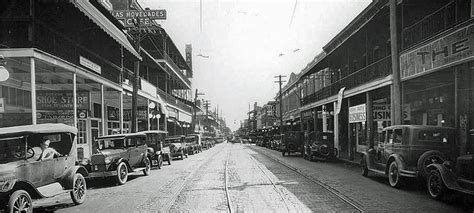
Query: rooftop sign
(144, 16)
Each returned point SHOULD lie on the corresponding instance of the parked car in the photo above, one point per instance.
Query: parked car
(444, 177)
(320, 145)
(118, 155)
(292, 142)
(25, 168)
(194, 143)
(177, 146)
(276, 142)
(157, 150)
(208, 142)
(407, 150)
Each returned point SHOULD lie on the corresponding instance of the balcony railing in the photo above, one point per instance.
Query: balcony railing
(435, 23)
(174, 101)
(175, 68)
(376, 70)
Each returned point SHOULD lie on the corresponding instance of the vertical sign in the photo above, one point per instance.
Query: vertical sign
(189, 60)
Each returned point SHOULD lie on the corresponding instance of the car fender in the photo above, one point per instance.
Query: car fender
(449, 178)
(68, 178)
(28, 187)
(400, 162)
(120, 160)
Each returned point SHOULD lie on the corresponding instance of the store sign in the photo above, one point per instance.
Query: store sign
(60, 114)
(144, 17)
(61, 100)
(172, 113)
(340, 95)
(382, 112)
(148, 88)
(89, 64)
(451, 49)
(357, 114)
(2, 105)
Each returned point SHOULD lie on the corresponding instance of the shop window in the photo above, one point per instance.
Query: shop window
(15, 93)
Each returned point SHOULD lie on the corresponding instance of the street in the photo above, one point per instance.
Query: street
(248, 178)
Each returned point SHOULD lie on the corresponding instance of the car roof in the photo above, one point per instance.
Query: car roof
(38, 128)
(154, 131)
(122, 135)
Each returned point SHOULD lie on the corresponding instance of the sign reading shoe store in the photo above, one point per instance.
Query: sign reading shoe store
(451, 49)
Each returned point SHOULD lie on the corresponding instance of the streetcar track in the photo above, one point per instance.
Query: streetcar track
(273, 183)
(226, 184)
(330, 189)
(171, 200)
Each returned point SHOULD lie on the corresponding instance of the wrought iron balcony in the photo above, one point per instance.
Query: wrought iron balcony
(376, 70)
(435, 23)
(170, 65)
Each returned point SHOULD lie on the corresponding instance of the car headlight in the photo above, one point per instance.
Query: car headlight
(7, 183)
(107, 160)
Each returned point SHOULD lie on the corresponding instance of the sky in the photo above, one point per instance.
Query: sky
(249, 42)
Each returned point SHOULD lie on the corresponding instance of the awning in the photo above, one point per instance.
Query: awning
(162, 105)
(103, 22)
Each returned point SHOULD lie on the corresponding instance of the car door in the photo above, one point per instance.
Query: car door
(379, 150)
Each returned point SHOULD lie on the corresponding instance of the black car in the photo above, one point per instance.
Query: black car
(320, 146)
(292, 142)
(158, 151)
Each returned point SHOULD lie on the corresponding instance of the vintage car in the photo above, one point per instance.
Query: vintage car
(177, 146)
(118, 155)
(207, 142)
(407, 150)
(26, 170)
(194, 143)
(320, 146)
(445, 176)
(157, 151)
(292, 142)
(276, 142)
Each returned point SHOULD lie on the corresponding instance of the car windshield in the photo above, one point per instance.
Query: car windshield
(111, 144)
(191, 139)
(12, 149)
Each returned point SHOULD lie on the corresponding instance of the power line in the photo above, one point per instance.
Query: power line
(293, 14)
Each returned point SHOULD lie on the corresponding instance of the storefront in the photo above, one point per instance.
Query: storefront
(438, 86)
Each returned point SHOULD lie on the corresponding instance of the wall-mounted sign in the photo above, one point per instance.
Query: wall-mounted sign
(382, 112)
(144, 17)
(89, 64)
(357, 114)
(451, 49)
(2, 105)
(61, 100)
(59, 114)
(148, 87)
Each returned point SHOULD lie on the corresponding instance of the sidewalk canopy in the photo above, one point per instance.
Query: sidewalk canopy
(103, 22)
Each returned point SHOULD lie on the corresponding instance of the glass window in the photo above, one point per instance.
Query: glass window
(398, 135)
(12, 149)
(15, 93)
(54, 94)
(389, 137)
(112, 110)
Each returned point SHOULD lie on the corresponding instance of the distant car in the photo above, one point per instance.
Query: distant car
(194, 143)
(23, 174)
(119, 155)
(407, 150)
(448, 176)
(292, 142)
(177, 146)
(276, 142)
(320, 145)
(157, 150)
(207, 142)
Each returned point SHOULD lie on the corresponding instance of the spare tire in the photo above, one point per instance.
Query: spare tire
(428, 158)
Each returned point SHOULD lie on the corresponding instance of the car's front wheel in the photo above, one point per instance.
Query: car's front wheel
(147, 163)
(435, 185)
(394, 177)
(79, 189)
(122, 173)
(169, 159)
(160, 161)
(20, 201)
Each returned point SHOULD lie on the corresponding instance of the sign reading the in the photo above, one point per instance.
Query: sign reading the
(357, 114)
(448, 50)
(89, 64)
(61, 100)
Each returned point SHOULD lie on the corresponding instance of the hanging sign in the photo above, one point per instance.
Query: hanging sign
(357, 114)
(144, 17)
(339, 100)
(89, 64)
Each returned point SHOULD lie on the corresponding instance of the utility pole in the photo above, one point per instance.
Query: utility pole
(280, 82)
(196, 95)
(136, 77)
(396, 91)
(207, 104)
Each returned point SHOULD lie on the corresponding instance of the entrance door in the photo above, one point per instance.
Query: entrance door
(82, 135)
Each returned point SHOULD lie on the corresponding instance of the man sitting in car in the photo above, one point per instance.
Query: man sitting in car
(45, 152)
